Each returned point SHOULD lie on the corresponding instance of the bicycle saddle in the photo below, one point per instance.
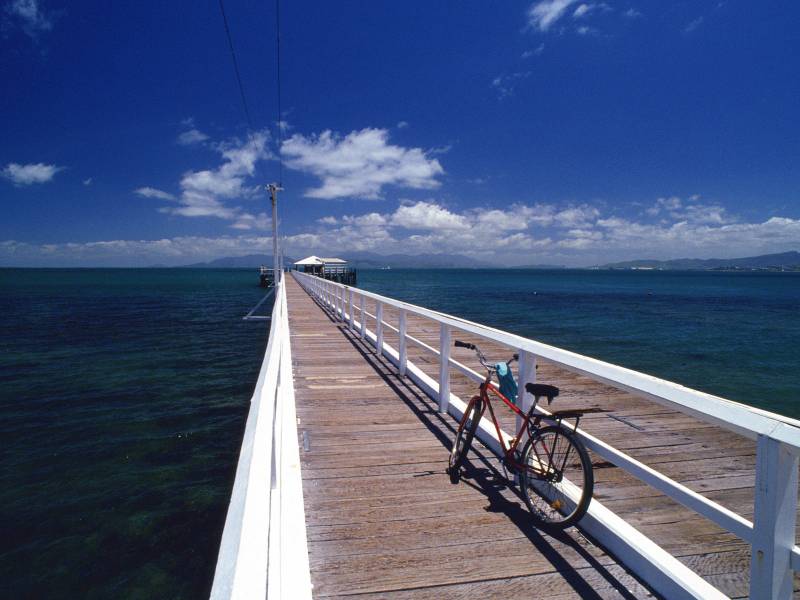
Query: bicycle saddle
(538, 390)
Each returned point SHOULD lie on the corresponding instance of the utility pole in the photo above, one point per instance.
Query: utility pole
(277, 267)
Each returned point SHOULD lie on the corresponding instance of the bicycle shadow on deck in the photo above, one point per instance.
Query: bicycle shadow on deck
(487, 478)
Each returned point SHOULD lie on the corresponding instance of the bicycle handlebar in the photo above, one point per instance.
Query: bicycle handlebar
(481, 357)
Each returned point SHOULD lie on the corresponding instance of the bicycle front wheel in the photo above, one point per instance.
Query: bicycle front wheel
(556, 479)
(463, 441)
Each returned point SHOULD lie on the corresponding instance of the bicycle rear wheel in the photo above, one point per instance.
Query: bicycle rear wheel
(463, 441)
(557, 479)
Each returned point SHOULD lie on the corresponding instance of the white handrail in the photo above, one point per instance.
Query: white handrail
(263, 552)
(774, 553)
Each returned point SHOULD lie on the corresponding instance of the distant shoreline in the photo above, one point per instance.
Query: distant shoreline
(794, 269)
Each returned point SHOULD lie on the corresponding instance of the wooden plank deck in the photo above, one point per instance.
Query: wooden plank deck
(384, 521)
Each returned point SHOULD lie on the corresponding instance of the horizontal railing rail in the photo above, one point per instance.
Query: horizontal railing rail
(264, 552)
(771, 535)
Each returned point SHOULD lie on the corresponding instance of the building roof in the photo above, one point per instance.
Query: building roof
(317, 261)
(310, 260)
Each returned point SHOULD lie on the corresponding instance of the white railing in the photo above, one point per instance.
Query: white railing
(771, 536)
(264, 552)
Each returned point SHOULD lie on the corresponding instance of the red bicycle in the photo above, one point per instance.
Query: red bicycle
(555, 472)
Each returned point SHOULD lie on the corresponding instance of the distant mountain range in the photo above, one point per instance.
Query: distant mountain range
(540, 267)
(251, 261)
(786, 261)
(771, 262)
(359, 260)
(371, 260)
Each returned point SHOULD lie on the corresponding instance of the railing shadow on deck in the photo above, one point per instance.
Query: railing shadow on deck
(488, 479)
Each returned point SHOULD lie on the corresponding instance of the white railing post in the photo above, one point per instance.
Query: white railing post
(379, 328)
(350, 300)
(403, 351)
(363, 314)
(527, 374)
(339, 303)
(774, 523)
(444, 368)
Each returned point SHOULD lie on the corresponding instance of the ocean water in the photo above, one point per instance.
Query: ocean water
(124, 393)
(123, 397)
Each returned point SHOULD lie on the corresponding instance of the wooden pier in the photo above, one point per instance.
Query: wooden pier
(691, 499)
(383, 519)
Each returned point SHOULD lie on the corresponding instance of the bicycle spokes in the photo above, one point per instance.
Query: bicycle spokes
(557, 479)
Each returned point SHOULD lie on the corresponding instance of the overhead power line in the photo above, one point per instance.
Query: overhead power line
(279, 123)
(236, 66)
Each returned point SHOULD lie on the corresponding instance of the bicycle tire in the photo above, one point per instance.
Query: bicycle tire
(550, 456)
(463, 440)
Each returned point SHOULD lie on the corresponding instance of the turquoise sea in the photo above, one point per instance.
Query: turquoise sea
(124, 392)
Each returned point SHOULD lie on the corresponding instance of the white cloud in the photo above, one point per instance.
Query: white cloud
(151, 192)
(247, 221)
(501, 220)
(578, 216)
(360, 164)
(402, 124)
(209, 192)
(535, 52)
(584, 9)
(88, 181)
(493, 235)
(170, 251)
(544, 14)
(427, 215)
(203, 192)
(506, 84)
(692, 212)
(576, 235)
(29, 174)
(703, 240)
(692, 25)
(368, 220)
(30, 16)
(632, 13)
(441, 149)
(192, 136)
(517, 217)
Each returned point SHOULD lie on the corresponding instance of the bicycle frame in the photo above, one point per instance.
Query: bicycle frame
(508, 451)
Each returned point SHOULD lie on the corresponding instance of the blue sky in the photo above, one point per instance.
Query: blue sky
(556, 131)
